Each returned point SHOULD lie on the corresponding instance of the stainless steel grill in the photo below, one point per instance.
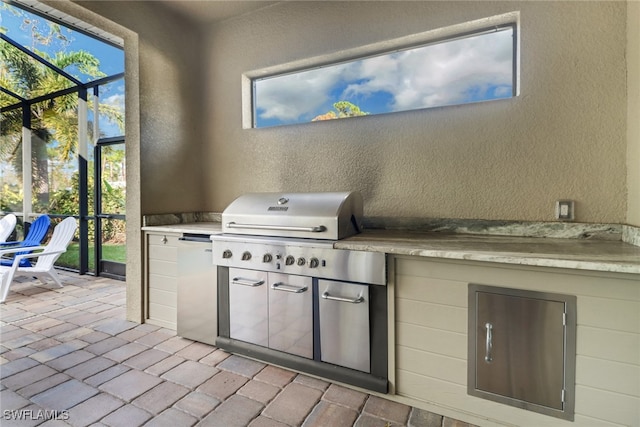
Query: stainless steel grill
(329, 216)
(285, 295)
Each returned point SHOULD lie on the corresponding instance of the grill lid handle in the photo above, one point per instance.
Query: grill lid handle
(316, 229)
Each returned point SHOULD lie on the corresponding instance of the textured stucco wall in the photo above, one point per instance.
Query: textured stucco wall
(163, 104)
(633, 112)
(134, 269)
(564, 137)
(170, 103)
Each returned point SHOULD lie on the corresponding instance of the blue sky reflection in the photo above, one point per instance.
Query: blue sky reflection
(471, 69)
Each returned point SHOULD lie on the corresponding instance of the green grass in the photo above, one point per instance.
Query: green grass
(71, 258)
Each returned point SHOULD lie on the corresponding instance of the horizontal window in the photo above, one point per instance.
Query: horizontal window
(479, 65)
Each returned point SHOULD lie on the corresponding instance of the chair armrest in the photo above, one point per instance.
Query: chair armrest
(20, 249)
(20, 243)
(18, 258)
(37, 254)
(8, 244)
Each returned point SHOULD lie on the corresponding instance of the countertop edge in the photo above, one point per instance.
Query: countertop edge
(389, 245)
(194, 228)
(513, 259)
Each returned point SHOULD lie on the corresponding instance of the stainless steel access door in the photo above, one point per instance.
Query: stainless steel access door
(344, 324)
(248, 310)
(520, 348)
(291, 314)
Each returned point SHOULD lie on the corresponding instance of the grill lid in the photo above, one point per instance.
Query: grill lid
(330, 215)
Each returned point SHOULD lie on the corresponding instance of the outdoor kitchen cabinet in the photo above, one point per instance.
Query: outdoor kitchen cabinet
(431, 309)
(522, 348)
(161, 279)
(344, 324)
(271, 310)
(197, 304)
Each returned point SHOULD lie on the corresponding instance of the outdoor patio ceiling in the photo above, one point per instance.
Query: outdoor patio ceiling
(55, 15)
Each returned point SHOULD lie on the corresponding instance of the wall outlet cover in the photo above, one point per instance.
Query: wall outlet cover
(565, 210)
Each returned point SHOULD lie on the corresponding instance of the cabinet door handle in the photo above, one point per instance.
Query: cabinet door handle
(357, 300)
(488, 357)
(247, 282)
(164, 239)
(288, 288)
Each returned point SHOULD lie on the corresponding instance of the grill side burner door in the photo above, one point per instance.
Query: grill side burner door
(344, 324)
(248, 309)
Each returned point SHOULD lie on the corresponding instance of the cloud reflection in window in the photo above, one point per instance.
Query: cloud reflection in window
(474, 68)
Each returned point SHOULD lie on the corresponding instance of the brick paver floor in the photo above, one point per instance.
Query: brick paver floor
(68, 357)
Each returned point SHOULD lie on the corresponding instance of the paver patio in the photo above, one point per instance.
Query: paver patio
(68, 357)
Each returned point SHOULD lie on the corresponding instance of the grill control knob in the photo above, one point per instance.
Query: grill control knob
(246, 256)
(289, 260)
(301, 261)
(227, 254)
(313, 262)
(267, 258)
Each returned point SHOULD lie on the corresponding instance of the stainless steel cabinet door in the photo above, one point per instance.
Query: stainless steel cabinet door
(520, 348)
(248, 310)
(197, 293)
(291, 314)
(344, 324)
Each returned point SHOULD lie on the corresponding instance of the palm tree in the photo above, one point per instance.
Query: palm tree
(51, 120)
(343, 109)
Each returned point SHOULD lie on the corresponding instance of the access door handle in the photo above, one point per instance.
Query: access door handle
(488, 356)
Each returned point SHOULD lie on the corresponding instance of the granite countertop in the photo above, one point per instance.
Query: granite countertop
(580, 254)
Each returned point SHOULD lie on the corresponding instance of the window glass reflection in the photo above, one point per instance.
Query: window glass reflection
(474, 68)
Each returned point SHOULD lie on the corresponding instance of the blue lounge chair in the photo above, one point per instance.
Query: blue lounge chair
(35, 236)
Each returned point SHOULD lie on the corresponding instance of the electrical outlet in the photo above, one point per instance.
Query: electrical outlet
(565, 210)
